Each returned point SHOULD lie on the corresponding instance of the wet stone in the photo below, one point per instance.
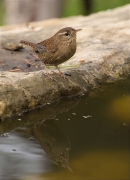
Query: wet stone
(99, 58)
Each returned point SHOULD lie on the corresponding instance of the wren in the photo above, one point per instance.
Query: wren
(57, 49)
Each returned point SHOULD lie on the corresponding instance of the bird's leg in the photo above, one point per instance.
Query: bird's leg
(61, 74)
(45, 69)
(48, 75)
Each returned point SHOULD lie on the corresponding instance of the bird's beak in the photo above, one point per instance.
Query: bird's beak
(78, 30)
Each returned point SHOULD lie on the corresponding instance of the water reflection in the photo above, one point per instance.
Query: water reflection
(50, 111)
(15, 138)
(98, 146)
(54, 142)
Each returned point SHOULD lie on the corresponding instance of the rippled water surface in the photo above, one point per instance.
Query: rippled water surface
(75, 138)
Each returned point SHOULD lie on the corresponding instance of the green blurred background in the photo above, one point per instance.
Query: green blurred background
(75, 7)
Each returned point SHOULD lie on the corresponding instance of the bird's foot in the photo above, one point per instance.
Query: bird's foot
(52, 78)
(49, 76)
(60, 74)
(64, 76)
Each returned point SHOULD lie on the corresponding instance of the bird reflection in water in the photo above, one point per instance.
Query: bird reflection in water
(53, 141)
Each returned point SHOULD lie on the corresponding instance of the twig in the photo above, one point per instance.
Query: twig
(1, 62)
(33, 64)
(14, 70)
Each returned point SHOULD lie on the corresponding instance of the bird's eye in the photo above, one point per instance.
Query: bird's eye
(67, 34)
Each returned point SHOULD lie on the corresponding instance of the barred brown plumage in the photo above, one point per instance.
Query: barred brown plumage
(57, 49)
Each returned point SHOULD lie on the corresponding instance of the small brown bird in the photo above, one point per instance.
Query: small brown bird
(57, 49)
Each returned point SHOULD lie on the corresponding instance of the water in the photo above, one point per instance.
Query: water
(75, 138)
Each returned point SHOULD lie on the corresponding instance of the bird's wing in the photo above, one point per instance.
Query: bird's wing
(48, 46)
(40, 48)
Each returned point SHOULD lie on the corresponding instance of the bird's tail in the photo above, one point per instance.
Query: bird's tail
(28, 43)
